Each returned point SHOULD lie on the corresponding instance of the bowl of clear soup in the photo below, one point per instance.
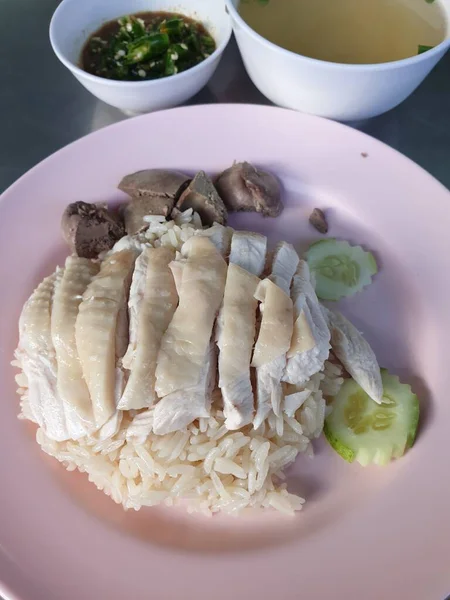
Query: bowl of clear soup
(345, 60)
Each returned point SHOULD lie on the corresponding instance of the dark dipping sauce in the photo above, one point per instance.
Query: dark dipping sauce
(146, 46)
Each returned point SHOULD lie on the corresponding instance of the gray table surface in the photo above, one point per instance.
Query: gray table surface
(43, 107)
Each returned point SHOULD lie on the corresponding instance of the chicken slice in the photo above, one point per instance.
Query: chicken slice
(71, 386)
(237, 322)
(274, 340)
(236, 327)
(310, 344)
(248, 251)
(285, 261)
(141, 426)
(176, 267)
(185, 342)
(38, 359)
(292, 402)
(269, 395)
(136, 297)
(156, 311)
(219, 235)
(111, 427)
(96, 330)
(355, 353)
(177, 410)
(275, 333)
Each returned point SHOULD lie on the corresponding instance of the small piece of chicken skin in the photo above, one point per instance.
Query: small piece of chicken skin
(72, 388)
(155, 313)
(96, 330)
(355, 354)
(186, 340)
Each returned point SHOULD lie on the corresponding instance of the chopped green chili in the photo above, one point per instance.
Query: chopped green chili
(146, 46)
(173, 26)
(150, 46)
(421, 49)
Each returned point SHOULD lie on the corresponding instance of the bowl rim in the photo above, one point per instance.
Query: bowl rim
(78, 71)
(404, 62)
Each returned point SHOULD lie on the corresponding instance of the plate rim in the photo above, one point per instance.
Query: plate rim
(213, 107)
(219, 106)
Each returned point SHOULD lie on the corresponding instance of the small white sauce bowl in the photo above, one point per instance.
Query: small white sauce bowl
(74, 21)
(337, 91)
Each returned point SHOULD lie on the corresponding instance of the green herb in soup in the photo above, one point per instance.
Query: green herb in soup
(349, 31)
(421, 49)
(146, 46)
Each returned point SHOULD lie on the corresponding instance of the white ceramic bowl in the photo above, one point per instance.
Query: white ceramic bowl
(75, 20)
(338, 91)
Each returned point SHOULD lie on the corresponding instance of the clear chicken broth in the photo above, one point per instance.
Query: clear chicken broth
(349, 31)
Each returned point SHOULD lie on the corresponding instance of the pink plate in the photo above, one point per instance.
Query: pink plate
(369, 534)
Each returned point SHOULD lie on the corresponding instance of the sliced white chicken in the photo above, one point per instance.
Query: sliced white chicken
(38, 360)
(136, 297)
(248, 251)
(310, 344)
(275, 333)
(71, 386)
(273, 342)
(355, 354)
(269, 394)
(96, 330)
(157, 308)
(219, 235)
(141, 426)
(186, 340)
(112, 425)
(285, 261)
(237, 323)
(236, 327)
(177, 410)
(177, 266)
(292, 402)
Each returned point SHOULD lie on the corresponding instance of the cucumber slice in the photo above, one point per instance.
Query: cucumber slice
(339, 269)
(358, 429)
